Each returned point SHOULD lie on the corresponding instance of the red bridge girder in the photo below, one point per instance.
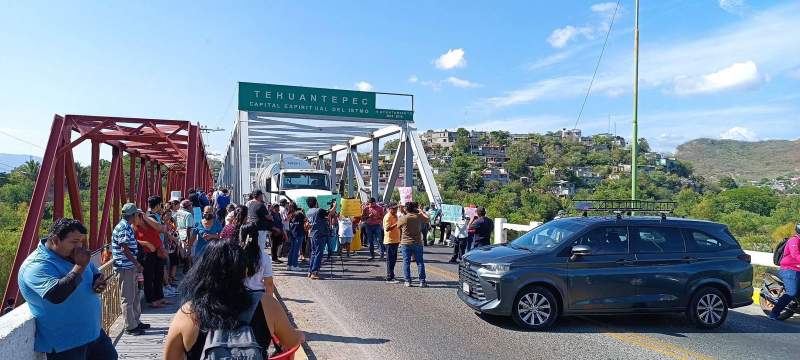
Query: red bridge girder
(154, 143)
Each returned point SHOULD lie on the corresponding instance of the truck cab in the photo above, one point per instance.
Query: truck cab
(292, 178)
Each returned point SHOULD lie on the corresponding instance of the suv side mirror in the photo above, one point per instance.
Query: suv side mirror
(580, 250)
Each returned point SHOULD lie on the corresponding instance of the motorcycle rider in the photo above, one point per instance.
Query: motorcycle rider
(790, 273)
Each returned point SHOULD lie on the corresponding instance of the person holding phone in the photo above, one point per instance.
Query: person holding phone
(61, 286)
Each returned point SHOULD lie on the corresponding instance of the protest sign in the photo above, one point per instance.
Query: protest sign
(406, 194)
(351, 207)
(451, 213)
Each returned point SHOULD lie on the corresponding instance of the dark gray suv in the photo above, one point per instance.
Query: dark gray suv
(607, 265)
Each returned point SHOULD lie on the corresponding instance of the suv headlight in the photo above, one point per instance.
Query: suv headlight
(497, 268)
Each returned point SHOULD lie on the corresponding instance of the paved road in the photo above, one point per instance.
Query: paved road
(355, 315)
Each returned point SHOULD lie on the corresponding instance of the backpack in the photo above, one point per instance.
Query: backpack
(239, 343)
(778, 254)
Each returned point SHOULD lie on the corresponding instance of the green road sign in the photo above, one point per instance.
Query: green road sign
(301, 100)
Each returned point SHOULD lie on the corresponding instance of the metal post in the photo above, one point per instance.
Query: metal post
(408, 164)
(374, 170)
(333, 172)
(58, 183)
(36, 208)
(94, 196)
(113, 174)
(191, 160)
(132, 175)
(635, 140)
(72, 185)
(245, 185)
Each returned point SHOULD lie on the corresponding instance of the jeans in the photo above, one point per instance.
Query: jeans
(374, 234)
(468, 244)
(791, 283)
(391, 260)
(317, 251)
(99, 349)
(294, 251)
(153, 278)
(255, 298)
(417, 251)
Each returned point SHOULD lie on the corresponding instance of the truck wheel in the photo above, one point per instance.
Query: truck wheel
(535, 308)
(708, 308)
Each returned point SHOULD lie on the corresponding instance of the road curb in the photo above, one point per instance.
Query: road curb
(301, 351)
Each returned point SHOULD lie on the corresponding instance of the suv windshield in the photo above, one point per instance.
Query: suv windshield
(547, 237)
(292, 181)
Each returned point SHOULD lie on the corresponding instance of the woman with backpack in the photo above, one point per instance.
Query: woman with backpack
(790, 273)
(214, 299)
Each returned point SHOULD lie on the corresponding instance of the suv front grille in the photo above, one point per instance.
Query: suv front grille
(466, 274)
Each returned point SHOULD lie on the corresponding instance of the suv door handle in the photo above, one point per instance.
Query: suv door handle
(625, 262)
(689, 259)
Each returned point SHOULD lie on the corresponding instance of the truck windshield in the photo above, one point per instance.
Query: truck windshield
(547, 237)
(292, 181)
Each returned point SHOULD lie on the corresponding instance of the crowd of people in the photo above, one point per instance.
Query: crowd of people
(218, 257)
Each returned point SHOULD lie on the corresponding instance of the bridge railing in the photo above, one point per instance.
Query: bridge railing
(109, 298)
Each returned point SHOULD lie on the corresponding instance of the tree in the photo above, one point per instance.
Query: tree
(391, 146)
(644, 146)
(462, 142)
(757, 200)
(521, 154)
(727, 183)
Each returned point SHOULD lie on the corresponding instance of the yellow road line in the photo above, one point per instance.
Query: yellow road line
(443, 273)
(658, 346)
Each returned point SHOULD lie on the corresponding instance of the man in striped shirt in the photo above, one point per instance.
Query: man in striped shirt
(123, 250)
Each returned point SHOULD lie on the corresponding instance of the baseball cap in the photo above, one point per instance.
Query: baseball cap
(129, 209)
(186, 204)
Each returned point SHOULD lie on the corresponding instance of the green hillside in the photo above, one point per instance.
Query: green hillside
(743, 160)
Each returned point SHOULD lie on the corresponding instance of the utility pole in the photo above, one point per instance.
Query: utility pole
(635, 140)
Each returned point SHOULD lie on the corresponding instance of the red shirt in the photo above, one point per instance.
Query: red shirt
(146, 233)
(373, 215)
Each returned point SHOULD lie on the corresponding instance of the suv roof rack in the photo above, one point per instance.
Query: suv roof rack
(619, 207)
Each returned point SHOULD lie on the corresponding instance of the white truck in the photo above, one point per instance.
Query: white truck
(292, 178)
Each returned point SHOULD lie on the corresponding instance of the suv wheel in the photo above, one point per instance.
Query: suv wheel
(708, 308)
(535, 308)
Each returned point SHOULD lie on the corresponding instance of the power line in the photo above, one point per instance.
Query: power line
(605, 42)
(18, 139)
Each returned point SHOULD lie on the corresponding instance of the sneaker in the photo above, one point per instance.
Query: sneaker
(393, 281)
(276, 261)
(408, 284)
(134, 332)
(423, 284)
(315, 277)
(143, 326)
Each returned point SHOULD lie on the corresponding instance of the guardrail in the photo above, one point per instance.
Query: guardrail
(501, 228)
(110, 298)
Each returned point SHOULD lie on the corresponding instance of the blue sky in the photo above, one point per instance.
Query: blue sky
(708, 68)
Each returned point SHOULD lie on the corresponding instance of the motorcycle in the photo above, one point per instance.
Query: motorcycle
(771, 290)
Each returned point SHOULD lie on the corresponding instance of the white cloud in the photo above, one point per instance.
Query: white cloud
(363, 86)
(604, 7)
(560, 37)
(739, 133)
(461, 82)
(737, 76)
(453, 58)
(767, 38)
(549, 60)
(413, 79)
(736, 7)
